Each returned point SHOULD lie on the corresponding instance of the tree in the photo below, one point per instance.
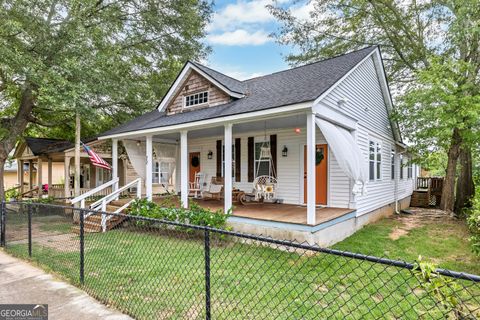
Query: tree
(109, 60)
(413, 35)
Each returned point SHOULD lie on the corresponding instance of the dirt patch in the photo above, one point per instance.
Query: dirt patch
(418, 218)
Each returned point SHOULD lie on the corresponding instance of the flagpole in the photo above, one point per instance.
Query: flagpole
(77, 155)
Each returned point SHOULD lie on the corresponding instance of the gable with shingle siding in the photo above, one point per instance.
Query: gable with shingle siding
(196, 83)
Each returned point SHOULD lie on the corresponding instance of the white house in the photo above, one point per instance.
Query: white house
(334, 151)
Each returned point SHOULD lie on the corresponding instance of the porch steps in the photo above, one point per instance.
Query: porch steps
(93, 223)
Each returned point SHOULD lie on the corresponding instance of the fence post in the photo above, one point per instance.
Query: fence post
(82, 247)
(29, 230)
(207, 275)
(3, 213)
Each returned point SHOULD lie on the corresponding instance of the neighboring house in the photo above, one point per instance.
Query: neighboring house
(337, 156)
(10, 179)
(55, 158)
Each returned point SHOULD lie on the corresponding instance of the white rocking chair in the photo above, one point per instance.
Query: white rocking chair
(265, 187)
(196, 187)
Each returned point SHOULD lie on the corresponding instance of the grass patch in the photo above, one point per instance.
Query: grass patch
(161, 275)
(444, 242)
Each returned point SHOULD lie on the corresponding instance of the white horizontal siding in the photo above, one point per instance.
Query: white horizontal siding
(365, 101)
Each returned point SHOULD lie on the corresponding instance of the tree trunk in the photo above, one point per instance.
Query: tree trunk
(465, 184)
(13, 129)
(2, 189)
(448, 192)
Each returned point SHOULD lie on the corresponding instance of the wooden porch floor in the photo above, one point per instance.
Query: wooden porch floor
(286, 213)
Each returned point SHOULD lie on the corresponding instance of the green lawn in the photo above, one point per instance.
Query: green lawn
(161, 275)
(443, 241)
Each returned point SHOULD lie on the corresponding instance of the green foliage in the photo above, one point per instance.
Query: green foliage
(12, 194)
(109, 60)
(443, 289)
(195, 215)
(441, 99)
(430, 51)
(473, 220)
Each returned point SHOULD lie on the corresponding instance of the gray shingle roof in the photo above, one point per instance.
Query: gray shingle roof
(41, 146)
(229, 82)
(301, 84)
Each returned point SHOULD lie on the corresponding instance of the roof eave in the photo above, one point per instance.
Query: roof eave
(180, 78)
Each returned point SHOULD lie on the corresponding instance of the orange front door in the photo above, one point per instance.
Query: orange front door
(321, 160)
(194, 161)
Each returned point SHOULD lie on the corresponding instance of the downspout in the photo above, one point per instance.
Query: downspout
(397, 178)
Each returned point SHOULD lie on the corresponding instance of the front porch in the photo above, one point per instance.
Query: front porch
(310, 190)
(285, 213)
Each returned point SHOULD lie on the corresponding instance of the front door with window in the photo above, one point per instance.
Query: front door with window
(194, 163)
(321, 166)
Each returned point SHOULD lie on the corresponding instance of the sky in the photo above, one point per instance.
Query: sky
(239, 35)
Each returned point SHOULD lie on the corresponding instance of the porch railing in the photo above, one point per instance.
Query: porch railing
(101, 205)
(432, 184)
(100, 190)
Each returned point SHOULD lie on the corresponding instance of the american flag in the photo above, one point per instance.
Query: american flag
(96, 159)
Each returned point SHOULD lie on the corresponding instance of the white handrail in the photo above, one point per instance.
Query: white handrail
(116, 192)
(81, 198)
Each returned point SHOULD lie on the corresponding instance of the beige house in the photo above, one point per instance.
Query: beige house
(47, 162)
(10, 179)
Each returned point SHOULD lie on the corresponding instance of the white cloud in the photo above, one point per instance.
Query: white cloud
(239, 14)
(302, 11)
(239, 37)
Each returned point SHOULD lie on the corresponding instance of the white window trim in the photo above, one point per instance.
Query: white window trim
(233, 159)
(377, 176)
(409, 168)
(401, 166)
(184, 99)
(393, 164)
(255, 161)
(154, 162)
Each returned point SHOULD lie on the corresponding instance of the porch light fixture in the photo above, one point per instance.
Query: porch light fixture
(298, 130)
(284, 151)
(210, 155)
(138, 143)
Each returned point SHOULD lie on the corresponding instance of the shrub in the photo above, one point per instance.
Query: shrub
(12, 194)
(444, 290)
(195, 215)
(473, 220)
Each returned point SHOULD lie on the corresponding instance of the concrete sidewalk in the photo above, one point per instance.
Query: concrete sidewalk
(21, 282)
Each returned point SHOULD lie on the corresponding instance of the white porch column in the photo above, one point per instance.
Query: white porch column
(227, 174)
(39, 176)
(67, 176)
(148, 172)
(311, 192)
(50, 192)
(184, 168)
(115, 162)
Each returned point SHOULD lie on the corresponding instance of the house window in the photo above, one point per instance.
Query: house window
(401, 166)
(262, 165)
(375, 160)
(233, 161)
(196, 99)
(103, 176)
(161, 172)
(392, 170)
(409, 169)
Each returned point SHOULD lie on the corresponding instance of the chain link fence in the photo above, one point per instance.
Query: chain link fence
(154, 269)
